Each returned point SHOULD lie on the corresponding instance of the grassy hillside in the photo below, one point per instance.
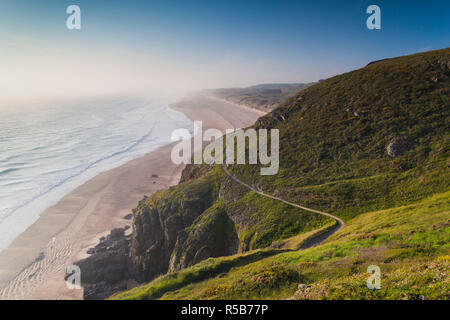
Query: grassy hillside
(410, 244)
(334, 137)
(370, 146)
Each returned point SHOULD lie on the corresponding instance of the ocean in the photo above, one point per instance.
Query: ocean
(47, 152)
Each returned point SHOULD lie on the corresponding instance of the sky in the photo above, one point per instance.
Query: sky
(153, 46)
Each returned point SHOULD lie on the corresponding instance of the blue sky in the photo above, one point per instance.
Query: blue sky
(194, 44)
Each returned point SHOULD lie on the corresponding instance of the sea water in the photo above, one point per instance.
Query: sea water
(47, 152)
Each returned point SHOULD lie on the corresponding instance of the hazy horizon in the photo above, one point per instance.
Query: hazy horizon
(161, 48)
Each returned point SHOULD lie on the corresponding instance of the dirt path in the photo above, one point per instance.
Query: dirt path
(313, 240)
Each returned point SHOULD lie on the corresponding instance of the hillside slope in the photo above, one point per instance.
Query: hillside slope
(370, 146)
(410, 244)
(264, 97)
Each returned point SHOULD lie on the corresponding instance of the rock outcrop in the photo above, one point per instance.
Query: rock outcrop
(108, 268)
(179, 229)
(211, 235)
(172, 229)
(398, 146)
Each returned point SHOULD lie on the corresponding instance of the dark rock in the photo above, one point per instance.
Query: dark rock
(164, 237)
(398, 146)
(195, 246)
(116, 233)
(105, 272)
(103, 289)
(128, 216)
(40, 257)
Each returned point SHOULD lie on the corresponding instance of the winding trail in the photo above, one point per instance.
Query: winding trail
(311, 241)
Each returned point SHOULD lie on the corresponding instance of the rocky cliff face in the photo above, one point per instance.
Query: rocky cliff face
(108, 269)
(180, 227)
(200, 218)
(172, 229)
(212, 235)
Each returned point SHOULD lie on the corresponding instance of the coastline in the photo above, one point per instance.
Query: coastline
(33, 266)
(242, 106)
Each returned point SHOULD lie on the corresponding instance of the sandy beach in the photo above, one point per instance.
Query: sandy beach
(33, 266)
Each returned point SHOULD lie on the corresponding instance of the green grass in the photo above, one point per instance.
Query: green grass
(336, 161)
(410, 244)
(271, 221)
(204, 270)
